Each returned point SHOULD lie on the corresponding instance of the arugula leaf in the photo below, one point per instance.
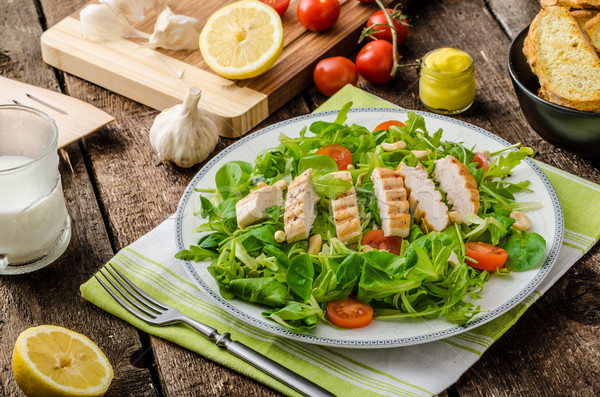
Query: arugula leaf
(502, 166)
(196, 254)
(295, 316)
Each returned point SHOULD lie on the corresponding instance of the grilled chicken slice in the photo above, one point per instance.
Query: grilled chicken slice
(458, 183)
(345, 212)
(425, 201)
(253, 207)
(392, 203)
(300, 203)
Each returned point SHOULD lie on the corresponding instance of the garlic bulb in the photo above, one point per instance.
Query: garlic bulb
(100, 21)
(133, 10)
(184, 134)
(174, 32)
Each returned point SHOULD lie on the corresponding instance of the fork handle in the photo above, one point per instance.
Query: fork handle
(260, 361)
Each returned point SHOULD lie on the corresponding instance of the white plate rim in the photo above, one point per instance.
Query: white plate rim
(278, 330)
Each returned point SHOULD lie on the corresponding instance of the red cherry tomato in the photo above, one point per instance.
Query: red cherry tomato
(349, 313)
(279, 5)
(387, 124)
(377, 240)
(488, 257)
(331, 74)
(318, 15)
(482, 161)
(385, 31)
(374, 61)
(341, 155)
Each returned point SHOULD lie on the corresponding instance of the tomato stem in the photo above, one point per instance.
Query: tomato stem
(394, 36)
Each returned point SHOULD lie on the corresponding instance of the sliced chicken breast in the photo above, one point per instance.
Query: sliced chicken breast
(425, 201)
(300, 203)
(253, 207)
(345, 212)
(458, 183)
(392, 203)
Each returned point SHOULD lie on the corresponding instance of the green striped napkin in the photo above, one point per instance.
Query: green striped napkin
(421, 370)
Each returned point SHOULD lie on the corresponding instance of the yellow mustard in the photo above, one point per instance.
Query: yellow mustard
(447, 83)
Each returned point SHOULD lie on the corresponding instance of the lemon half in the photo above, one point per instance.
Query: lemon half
(242, 40)
(54, 361)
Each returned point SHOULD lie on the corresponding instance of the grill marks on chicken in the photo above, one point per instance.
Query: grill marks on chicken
(391, 200)
(345, 212)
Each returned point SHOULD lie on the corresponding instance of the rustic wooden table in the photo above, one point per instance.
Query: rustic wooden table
(117, 190)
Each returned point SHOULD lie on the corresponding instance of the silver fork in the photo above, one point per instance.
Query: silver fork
(148, 309)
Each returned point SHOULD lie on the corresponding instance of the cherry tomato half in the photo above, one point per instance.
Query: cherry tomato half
(349, 313)
(331, 74)
(387, 124)
(341, 155)
(318, 15)
(377, 240)
(374, 61)
(488, 257)
(280, 6)
(385, 31)
(482, 161)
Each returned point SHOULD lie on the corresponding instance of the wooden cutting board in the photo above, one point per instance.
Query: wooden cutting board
(74, 118)
(160, 78)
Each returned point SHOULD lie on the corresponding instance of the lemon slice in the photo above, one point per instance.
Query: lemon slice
(54, 361)
(242, 39)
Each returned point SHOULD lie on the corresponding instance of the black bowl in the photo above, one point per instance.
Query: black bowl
(571, 129)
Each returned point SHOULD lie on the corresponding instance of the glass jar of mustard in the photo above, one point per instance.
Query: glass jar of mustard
(447, 82)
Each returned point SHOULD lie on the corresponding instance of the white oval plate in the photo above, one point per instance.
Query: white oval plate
(500, 293)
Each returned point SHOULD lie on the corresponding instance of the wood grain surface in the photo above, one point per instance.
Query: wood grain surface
(117, 190)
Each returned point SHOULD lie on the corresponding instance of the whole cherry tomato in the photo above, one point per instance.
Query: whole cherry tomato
(339, 154)
(385, 31)
(349, 313)
(331, 74)
(279, 5)
(318, 15)
(374, 61)
(377, 240)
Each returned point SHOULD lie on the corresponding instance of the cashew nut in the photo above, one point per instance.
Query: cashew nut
(261, 185)
(280, 236)
(359, 180)
(421, 154)
(282, 184)
(455, 217)
(453, 258)
(366, 248)
(522, 221)
(390, 147)
(314, 244)
(350, 167)
(486, 153)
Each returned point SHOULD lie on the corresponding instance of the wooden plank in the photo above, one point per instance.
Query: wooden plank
(159, 78)
(51, 295)
(74, 118)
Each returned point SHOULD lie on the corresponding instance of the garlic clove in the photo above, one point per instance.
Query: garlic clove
(184, 134)
(174, 32)
(100, 21)
(133, 10)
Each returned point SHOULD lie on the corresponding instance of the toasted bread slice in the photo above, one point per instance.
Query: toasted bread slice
(592, 28)
(563, 58)
(582, 16)
(578, 4)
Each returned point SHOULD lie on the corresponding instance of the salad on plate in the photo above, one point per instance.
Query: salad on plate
(343, 225)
